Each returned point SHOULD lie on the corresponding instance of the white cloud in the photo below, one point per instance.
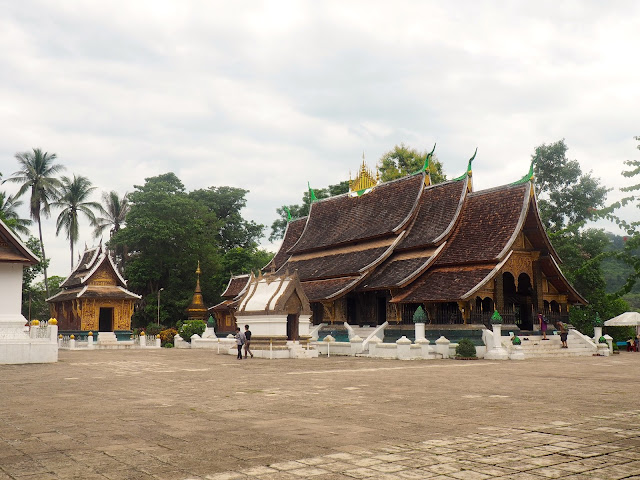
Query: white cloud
(268, 96)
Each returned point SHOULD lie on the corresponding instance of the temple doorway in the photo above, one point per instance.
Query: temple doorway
(292, 326)
(518, 300)
(382, 310)
(106, 319)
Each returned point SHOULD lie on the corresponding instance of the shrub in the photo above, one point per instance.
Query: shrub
(168, 345)
(465, 349)
(166, 336)
(496, 319)
(419, 315)
(191, 327)
(153, 329)
(516, 340)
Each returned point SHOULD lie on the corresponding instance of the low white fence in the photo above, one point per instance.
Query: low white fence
(69, 342)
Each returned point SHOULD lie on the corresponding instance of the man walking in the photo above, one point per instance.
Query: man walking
(240, 340)
(247, 343)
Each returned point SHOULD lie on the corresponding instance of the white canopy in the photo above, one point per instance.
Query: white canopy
(627, 319)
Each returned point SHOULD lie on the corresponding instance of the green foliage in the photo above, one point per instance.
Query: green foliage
(465, 349)
(496, 318)
(419, 316)
(191, 327)
(73, 199)
(621, 334)
(566, 195)
(10, 217)
(153, 329)
(168, 230)
(37, 175)
(516, 340)
(302, 210)
(402, 160)
(602, 340)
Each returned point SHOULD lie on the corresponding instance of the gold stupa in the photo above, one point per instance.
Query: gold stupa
(197, 310)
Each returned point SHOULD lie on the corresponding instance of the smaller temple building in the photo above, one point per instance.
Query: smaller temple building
(94, 297)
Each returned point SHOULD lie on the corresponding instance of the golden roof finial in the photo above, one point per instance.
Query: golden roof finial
(198, 272)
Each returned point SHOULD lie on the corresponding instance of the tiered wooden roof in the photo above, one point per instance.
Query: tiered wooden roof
(12, 250)
(95, 276)
(425, 243)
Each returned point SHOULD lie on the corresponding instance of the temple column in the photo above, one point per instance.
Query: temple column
(499, 293)
(538, 301)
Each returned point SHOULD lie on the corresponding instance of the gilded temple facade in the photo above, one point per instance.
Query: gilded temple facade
(94, 297)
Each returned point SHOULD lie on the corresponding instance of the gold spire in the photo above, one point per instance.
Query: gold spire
(197, 310)
(364, 180)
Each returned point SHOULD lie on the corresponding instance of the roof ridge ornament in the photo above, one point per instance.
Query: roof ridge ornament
(527, 178)
(469, 173)
(427, 166)
(312, 194)
(286, 209)
(364, 181)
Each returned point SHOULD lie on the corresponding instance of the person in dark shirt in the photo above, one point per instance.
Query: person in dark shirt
(247, 335)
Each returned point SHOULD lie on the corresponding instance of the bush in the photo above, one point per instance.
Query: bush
(191, 327)
(166, 336)
(465, 349)
(168, 345)
(153, 329)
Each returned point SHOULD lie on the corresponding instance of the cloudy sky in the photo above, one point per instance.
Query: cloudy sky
(269, 95)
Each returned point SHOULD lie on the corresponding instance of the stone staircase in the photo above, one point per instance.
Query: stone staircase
(534, 347)
(363, 332)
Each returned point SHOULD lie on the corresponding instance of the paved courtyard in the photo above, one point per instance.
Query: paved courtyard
(180, 414)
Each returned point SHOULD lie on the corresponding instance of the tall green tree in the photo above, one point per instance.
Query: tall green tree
(567, 199)
(74, 200)
(402, 160)
(565, 195)
(10, 216)
(114, 211)
(168, 230)
(113, 217)
(37, 175)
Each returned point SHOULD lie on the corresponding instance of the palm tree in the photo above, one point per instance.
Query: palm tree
(73, 201)
(115, 211)
(8, 214)
(37, 174)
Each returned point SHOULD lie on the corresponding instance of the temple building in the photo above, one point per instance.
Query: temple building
(376, 253)
(94, 297)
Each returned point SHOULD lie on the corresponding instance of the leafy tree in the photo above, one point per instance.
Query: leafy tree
(9, 215)
(402, 160)
(226, 203)
(567, 199)
(114, 209)
(566, 195)
(37, 175)
(73, 200)
(169, 230)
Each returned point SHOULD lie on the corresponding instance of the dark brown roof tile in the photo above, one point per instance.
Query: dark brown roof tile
(344, 218)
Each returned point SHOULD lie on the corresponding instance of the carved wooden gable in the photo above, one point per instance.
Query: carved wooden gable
(103, 276)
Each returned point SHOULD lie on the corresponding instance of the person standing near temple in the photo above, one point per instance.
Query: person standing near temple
(543, 326)
(240, 340)
(247, 343)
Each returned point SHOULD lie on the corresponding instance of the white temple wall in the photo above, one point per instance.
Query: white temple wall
(11, 290)
(264, 325)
